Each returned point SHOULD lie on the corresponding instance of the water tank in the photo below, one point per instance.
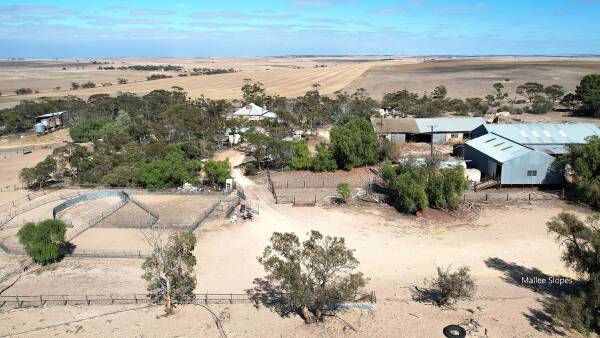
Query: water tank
(45, 122)
(40, 128)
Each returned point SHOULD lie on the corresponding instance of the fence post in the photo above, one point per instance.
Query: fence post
(206, 298)
(231, 298)
(486, 196)
(304, 184)
(506, 196)
(529, 196)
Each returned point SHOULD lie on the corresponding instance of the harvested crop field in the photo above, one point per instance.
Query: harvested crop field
(286, 77)
(474, 77)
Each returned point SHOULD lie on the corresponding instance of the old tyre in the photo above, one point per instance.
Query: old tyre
(454, 331)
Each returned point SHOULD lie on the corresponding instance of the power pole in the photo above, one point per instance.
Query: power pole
(431, 150)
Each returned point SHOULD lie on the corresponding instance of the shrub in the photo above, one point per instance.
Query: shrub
(43, 241)
(345, 191)
(172, 171)
(447, 287)
(88, 130)
(23, 91)
(323, 160)
(250, 169)
(88, 84)
(217, 172)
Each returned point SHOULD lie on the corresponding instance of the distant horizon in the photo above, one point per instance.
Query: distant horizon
(44, 29)
(16, 58)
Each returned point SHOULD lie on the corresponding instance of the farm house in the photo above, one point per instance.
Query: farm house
(254, 112)
(436, 130)
(515, 154)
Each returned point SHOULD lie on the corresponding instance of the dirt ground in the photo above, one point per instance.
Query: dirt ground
(474, 77)
(500, 245)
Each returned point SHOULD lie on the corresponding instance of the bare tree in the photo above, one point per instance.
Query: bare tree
(169, 271)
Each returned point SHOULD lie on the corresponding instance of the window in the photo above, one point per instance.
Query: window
(531, 172)
(453, 135)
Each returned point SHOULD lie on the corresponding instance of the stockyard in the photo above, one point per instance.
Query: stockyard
(97, 289)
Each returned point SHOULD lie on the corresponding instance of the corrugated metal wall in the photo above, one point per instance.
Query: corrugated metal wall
(515, 171)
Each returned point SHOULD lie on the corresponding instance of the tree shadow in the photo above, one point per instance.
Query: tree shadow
(532, 278)
(425, 295)
(266, 294)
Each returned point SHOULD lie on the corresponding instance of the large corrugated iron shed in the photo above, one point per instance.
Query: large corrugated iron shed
(531, 134)
(498, 148)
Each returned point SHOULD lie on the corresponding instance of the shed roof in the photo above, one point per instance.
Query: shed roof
(253, 110)
(538, 133)
(394, 125)
(449, 124)
(498, 148)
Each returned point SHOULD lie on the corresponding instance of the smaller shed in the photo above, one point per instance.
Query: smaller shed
(510, 163)
(394, 129)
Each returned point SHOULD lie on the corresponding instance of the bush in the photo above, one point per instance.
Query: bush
(217, 172)
(345, 191)
(43, 241)
(23, 91)
(450, 287)
(88, 130)
(250, 169)
(323, 160)
(172, 171)
(88, 85)
(414, 187)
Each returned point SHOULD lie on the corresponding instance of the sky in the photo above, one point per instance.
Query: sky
(185, 28)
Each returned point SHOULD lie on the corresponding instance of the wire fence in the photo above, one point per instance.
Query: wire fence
(23, 200)
(513, 196)
(18, 301)
(96, 219)
(13, 152)
(82, 253)
(14, 187)
(36, 204)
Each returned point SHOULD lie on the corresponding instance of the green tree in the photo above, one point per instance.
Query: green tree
(439, 93)
(588, 91)
(169, 271)
(530, 90)
(583, 164)
(254, 93)
(217, 172)
(581, 244)
(43, 241)
(354, 144)
(500, 95)
(539, 105)
(345, 191)
(173, 171)
(323, 160)
(312, 274)
(41, 174)
(554, 92)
